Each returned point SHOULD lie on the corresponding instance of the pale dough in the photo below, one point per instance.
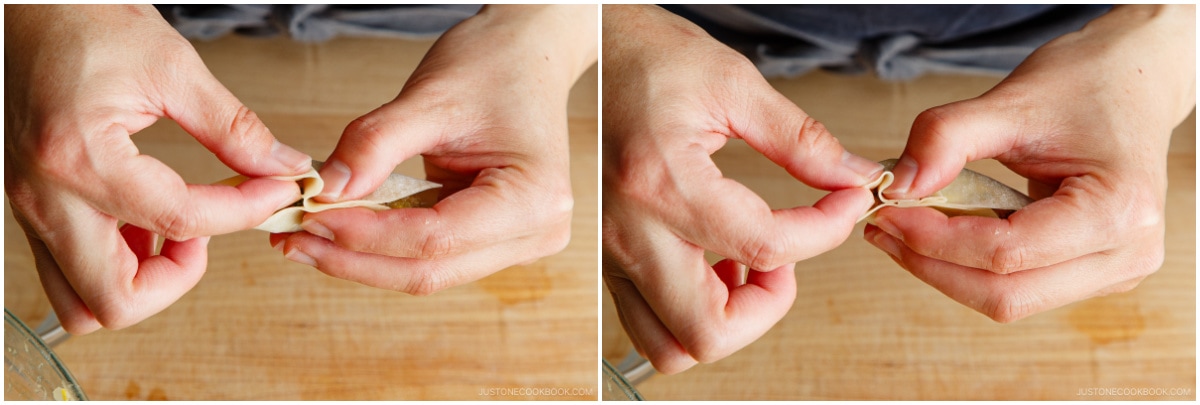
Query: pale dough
(392, 194)
(970, 193)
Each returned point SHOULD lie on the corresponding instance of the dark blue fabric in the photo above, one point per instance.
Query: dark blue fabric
(315, 22)
(896, 42)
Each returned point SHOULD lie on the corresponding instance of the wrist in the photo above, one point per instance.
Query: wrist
(1148, 49)
(1138, 61)
(645, 32)
(560, 40)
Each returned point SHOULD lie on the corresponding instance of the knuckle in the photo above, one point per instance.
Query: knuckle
(244, 124)
(114, 319)
(178, 47)
(763, 256)
(437, 244)
(364, 128)
(113, 315)
(1006, 258)
(709, 347)
(177, 225)
(1148, 261)
(115, 306)
(55, 160)
(177, 52)
(813, 135)
(932, 123)
(1009, 306)
(558, 240)
(425, 283)
(1154, 260)
(735, 65)
(666, 361)
(558, 235)
(366, 136)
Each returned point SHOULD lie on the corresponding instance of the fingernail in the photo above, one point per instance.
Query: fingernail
(864, 167)
(291, 158)
(905, 171)
(291, 199)
(316, 228)
(336, 175)
(885, 242)
(888, 227)
(279, 245)
(299, 257)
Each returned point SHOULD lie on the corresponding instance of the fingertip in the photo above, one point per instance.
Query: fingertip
(188, 254)
(277, 240)
(730, 272)
(882, 240)
(848, 203)
(315, 227)
(867, 169)
(673, 364)
(904, 172)
(298, 162)
(779, 284)
(80, 324)
(336, 175)
(886, 225)
(299, 256)
(305, 248)
(864, 200)
(272, 194)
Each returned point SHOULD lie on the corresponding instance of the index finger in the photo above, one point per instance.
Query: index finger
(1073, 223)
(143, 191)
(727, 218)
(785, 134)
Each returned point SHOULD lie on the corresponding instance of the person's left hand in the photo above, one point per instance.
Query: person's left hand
(486, 109)
(1087, 119)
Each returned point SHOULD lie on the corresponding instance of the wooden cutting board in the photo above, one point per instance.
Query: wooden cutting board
(261, 327)
(863, 328)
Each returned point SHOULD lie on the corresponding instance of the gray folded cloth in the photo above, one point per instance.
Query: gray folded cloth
(315, 22)
(895, 42)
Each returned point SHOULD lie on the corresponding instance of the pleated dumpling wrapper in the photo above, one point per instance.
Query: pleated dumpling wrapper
(970, 193)
(398, 191)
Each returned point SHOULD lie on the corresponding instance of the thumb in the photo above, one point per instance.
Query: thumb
(788, 136)
(210, 113)
(371, 147)
(943, 139)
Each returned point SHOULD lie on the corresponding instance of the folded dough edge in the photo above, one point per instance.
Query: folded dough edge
(397, 187)
(970, 193)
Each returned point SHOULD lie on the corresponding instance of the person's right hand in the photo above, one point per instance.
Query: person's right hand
(78, 82)
(672, 96)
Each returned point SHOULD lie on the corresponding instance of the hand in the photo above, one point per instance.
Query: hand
(673, 96)
(1087, 119)
(79, 80)
(486, 109)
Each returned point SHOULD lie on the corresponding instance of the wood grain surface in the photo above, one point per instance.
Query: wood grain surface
(863, 328)
(261, 327)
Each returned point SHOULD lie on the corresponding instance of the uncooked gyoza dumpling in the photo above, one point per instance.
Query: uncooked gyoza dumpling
(394, 193)
(970, 193)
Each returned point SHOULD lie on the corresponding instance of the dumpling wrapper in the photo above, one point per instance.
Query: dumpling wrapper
(394, 193)
(970, 193)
